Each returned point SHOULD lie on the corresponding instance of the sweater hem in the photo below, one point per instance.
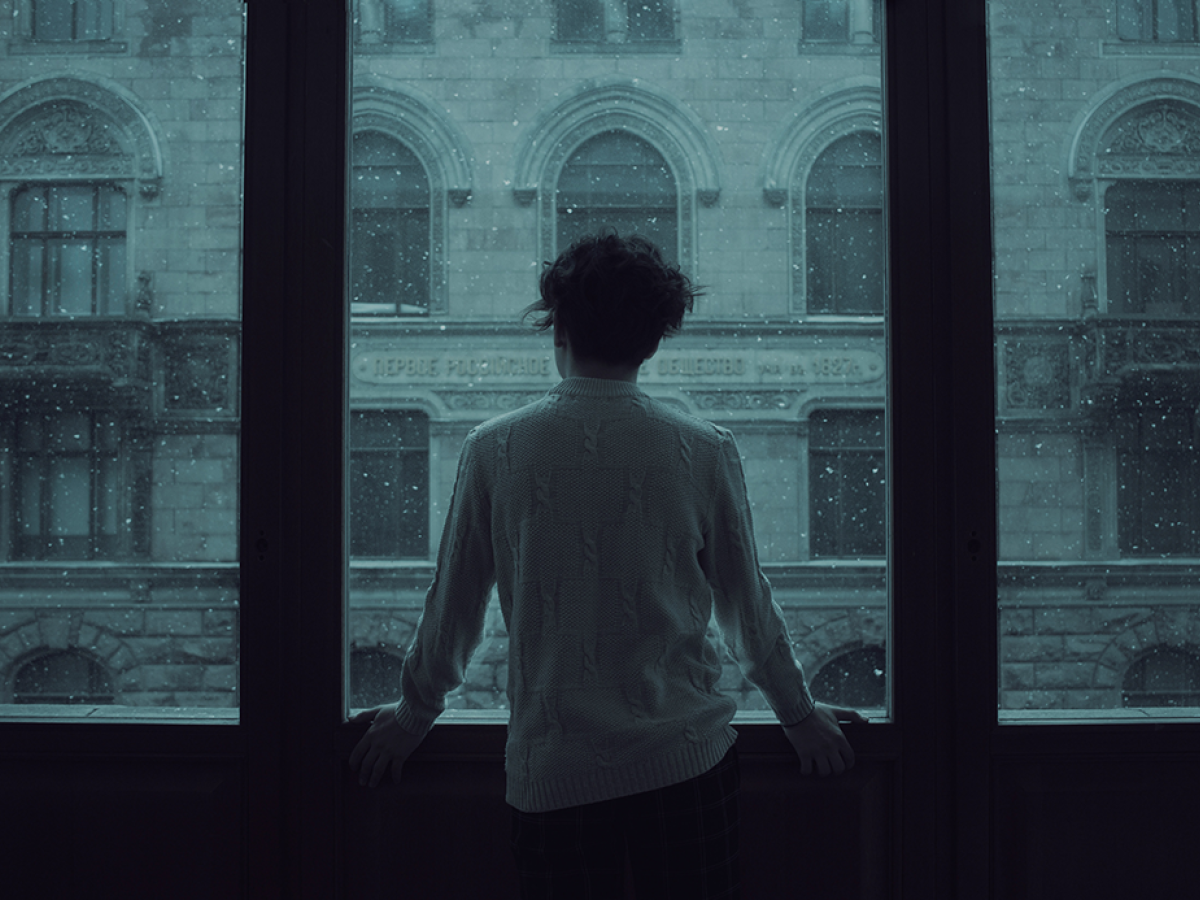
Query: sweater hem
(598, 785)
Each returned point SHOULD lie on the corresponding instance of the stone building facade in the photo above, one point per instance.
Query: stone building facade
(746, 138)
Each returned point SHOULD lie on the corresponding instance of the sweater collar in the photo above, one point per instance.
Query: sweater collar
(599, 388)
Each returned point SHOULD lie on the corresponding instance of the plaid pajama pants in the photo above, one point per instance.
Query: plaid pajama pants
(682, 843)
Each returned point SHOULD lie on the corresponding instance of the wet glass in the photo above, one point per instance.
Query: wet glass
(121, 135)
(711, 132)
(1096, 185)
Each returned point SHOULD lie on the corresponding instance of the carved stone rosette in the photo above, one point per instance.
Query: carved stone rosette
(748, 400)
(1037, 375)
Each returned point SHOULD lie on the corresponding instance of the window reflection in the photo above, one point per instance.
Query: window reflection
(68, 250)
(644, 117)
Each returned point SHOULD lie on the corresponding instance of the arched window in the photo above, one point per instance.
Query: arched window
(62, 676)
(1152, 231)
(842, 224)
(1164, 676)
(68, 250)
(390, 231)
(374, 677)
(857, 679)
(618, 180)
(1157, 21)
(389, 484)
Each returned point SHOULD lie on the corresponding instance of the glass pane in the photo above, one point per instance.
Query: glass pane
(826, 20)
(579, 20)
(29, 210)
(1096, 327)
(71, 265)
(52, 20)
(651, 20)
(28, 258)
(120, 496)
(70, 495)
(72, 208)
(110, 276)
(532, 147)
(29, 497)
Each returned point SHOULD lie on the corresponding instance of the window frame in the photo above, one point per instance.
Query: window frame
(121, 543)
(292, 736)
(47, 236)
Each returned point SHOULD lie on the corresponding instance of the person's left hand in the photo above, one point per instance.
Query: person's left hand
(384, 744)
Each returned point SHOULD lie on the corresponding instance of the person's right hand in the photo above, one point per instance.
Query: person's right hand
(819, 742)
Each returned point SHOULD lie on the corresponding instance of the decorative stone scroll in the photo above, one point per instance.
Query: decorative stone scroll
(1037, 375)
(75, 128)
(1162, 141)
(1149, 128)
(745, 400)
(488, 400)
(111, 354)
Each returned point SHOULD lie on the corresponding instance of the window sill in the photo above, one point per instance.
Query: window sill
(832, 48)
(1147, 48)
(607, 48)
(38, 712)
(394, 48)
(1190, 715)
(67, 48)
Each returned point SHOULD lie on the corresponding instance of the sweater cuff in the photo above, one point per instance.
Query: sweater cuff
(798, 711)
(407, 720)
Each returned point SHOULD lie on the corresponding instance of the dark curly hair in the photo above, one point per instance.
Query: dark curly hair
(616, 298)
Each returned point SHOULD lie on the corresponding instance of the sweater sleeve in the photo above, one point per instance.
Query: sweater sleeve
(751, 622)
(451, 624)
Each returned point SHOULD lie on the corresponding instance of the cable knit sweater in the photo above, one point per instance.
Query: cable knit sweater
(614, 527)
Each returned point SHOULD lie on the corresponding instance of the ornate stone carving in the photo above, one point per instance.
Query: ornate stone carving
(143, 297)
(1161, 129)
(774, 196)
(1149, 141)
(1037, 375)
(110, 354)
(196, 373)
(747, 400)
(66, 129)
(488, 400)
